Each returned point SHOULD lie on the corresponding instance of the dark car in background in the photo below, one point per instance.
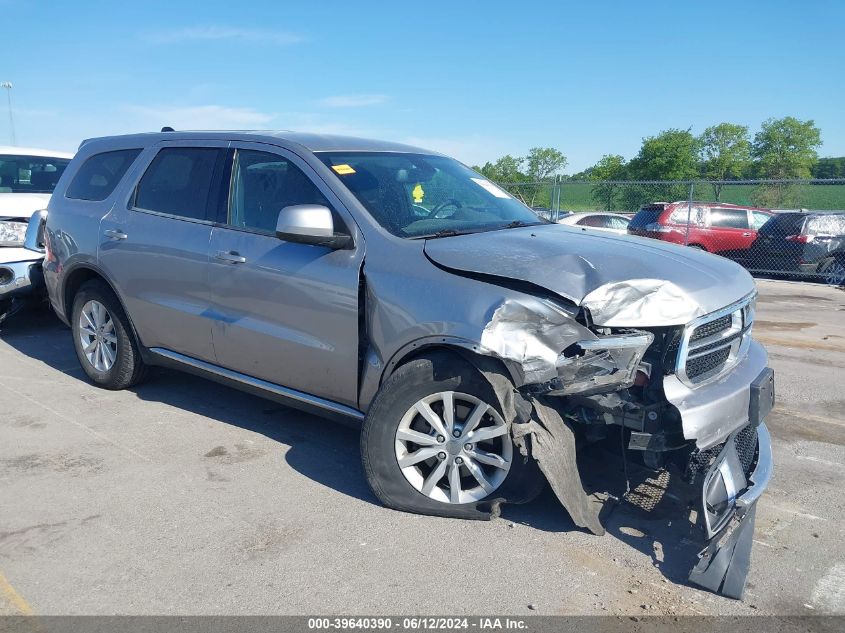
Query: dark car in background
(724, 229)
(802, 242)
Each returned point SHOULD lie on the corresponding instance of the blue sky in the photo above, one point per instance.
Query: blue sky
(472, 79)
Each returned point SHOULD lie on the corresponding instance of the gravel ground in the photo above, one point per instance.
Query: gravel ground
(184, 497)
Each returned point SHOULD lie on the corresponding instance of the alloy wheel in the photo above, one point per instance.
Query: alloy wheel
(835, 274)
(453, 447)
(97, 336)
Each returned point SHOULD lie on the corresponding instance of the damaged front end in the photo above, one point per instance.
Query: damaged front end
(691, 398)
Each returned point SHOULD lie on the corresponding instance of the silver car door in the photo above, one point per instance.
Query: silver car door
(284, 312)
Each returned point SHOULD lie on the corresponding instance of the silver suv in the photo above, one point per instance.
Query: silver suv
(395, 288)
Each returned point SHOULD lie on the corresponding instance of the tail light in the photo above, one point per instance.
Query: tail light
(799, 239)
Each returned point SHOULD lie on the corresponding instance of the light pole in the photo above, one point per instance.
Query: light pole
(8, 86)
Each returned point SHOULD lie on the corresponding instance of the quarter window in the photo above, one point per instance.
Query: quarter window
(759, 219)
(262, 185)
(178, 182)
(99, 175)
(729, 218)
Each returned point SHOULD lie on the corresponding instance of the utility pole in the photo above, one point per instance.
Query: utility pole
(8, 86)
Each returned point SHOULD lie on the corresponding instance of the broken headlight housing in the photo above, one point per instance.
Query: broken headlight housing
(12, 232)
(608, 363)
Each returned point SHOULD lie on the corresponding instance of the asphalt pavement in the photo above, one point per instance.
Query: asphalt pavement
(184, 497)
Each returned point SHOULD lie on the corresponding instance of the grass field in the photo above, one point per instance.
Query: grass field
(577, 196)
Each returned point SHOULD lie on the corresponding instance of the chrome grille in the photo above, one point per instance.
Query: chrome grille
(709, 329)
(714, 343)
(708, 362)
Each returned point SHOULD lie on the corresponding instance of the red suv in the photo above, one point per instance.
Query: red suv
(726, 229)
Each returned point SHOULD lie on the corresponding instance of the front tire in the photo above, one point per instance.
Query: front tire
(435, 441)
(103, 339)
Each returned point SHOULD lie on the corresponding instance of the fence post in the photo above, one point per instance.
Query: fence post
(689, 212)
(556, 197)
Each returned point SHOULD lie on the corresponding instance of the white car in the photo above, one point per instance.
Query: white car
(27, 179)
(610, 222)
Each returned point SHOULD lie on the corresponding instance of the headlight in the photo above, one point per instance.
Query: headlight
(12, 232)
(597, 366)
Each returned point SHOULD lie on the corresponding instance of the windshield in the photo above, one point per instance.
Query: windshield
(30, 174)
(415, 195)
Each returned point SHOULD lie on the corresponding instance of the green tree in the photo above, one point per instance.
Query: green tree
(786, 148)
(829, 168)
(671, 155)
(609, 168)
(725, 153)
(783, 148)
(543, 163)
(507, 169)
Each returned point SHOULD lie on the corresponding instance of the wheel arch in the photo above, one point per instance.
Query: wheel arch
(467, 350)
(79, 276)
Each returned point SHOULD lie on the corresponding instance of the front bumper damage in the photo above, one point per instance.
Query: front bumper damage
(725, 560)
(562, 368)
(19, 278)
(21, 273)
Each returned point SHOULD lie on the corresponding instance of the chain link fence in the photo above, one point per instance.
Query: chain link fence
(780, 228)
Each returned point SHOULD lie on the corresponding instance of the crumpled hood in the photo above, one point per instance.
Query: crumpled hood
(622, 280)
(22, 205)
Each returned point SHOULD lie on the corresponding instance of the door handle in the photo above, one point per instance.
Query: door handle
(230, 257)
(746, 235)
(115, 234)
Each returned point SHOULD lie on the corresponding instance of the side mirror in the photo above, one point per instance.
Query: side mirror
(34, 239)
(310, 224)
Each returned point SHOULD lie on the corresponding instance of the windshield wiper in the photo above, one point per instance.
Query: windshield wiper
(443, 233)
(516, 224)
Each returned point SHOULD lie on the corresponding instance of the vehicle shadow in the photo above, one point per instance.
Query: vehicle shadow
(652, 517)
(648, 519)
(322, 450)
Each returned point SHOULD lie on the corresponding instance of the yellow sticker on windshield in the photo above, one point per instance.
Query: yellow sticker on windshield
(343, 169)
(418, 194)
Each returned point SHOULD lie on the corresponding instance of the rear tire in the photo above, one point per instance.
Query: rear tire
(458, 473)
(834, 271)
(103, 338)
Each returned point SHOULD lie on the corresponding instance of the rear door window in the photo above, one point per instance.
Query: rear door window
(729, 218)
(99, 175)
(179, 181)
